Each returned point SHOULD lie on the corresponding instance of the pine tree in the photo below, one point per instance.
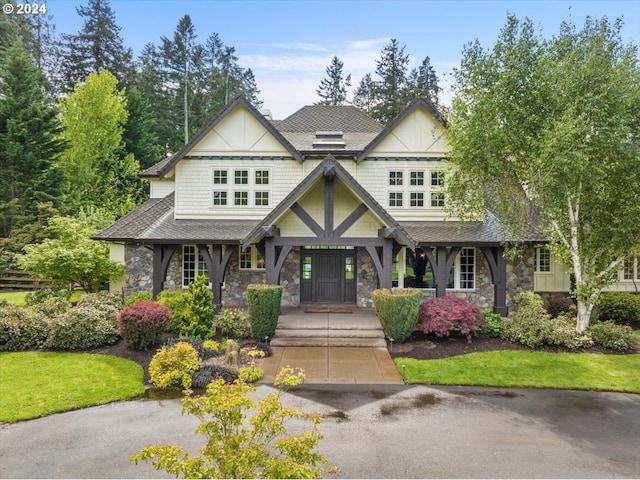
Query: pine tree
(96, 47)
(138, 135)
(423, 83)
(28, 147)
(333, 89)
(389, 91)
(363, 96)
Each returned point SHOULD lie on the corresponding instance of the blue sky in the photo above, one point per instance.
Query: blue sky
(288, 44)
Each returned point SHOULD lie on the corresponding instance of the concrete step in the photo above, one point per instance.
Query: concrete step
(332, 333)
(317, 341)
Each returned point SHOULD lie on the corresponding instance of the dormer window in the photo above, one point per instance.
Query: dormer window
(329, 140)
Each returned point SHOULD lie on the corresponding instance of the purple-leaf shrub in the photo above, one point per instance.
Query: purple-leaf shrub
(142, 324)
(441, 315)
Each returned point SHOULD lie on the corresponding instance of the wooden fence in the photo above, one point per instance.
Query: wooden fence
(18, 279)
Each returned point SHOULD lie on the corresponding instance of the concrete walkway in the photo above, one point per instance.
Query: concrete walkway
(325, 346)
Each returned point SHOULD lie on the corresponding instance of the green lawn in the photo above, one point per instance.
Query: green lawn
(35, 384)
(521, 368)
(18, 298)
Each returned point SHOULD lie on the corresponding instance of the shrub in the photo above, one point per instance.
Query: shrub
(204, 349)
(261, 346)
(493, 327)
(441, 315)
(609, 335)
(231, 322)
(397, 310)
(264, 309)
(104, 301)
(211, 346)
(50, 301)
(142, 324)
(250, 374)
(138, 296)
(208, 373)
(621, 307)
(242, 446)
(174, 300)
(559, 304)
(562, 331)
(191, 311)
(528, 324)
(84, 326)
(22, 329)
(174, 366)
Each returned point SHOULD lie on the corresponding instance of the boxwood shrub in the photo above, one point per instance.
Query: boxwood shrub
(620, 307)
(397, 310)
(264, 309)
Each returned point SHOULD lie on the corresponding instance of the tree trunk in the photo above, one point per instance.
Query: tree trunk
(584, 314)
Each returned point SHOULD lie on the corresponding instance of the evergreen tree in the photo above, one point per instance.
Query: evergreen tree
(28, 147)
(138, 135)
(363, 96)
(96, 47)
(389, 91)
(423, 83)
(333, 89)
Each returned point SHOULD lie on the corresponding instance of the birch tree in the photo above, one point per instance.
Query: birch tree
(550, 130)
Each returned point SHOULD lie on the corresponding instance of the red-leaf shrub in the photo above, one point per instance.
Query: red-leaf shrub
(441, 315)
(142, 324)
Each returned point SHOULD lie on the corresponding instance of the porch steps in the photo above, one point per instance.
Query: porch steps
(334, 331)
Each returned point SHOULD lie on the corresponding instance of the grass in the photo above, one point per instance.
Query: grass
(35, 384)
(18, 298)
(521, 368)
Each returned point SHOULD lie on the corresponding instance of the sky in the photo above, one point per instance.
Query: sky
(289, 44)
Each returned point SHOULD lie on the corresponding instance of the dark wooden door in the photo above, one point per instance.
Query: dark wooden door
(327, 281)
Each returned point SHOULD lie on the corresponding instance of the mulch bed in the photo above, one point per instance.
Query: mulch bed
(418, 346)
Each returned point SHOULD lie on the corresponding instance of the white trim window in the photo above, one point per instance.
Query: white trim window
(543, 260)
(420, 188)
(193, 264)
(630, 270)
(241, 187)
(462, 275)
(249, 258)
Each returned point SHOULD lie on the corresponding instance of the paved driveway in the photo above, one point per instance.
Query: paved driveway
(382, 431)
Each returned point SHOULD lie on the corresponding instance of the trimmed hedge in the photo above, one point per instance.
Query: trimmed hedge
(620, 307)
(264, 309)
(397, 310)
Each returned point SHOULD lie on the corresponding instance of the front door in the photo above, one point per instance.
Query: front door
(328, 276)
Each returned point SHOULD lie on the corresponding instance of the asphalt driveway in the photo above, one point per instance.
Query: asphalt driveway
(371, 431)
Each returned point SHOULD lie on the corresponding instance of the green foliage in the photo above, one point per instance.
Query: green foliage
(89, 324)
(22, 329)
(211, 345)
(28, 145)
(560, 304)
(568, 107)
(175, 301)
(71, 256)
(397, 309)
(264, 309)
(241, 447)
(231, 322)
(138, 296)
(174, 366)
(198, 310)
(49, 301)
(333, 89)
(532, 326)
(621, 307)
(92, 117)
(493, 327)
(609, 335)
(143, 323)
(250, 374)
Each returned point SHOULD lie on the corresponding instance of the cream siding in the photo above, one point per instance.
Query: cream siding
(116, 254)
(160, 188)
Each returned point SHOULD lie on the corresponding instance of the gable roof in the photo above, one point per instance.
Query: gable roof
(163, 167)
(356, 127)
(328, 163)
(420, 102)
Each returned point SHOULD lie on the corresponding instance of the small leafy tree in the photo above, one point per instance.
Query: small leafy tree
(236, 448)
(70, 256)
(442, 315)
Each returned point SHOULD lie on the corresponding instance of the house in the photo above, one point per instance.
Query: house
(327, 203)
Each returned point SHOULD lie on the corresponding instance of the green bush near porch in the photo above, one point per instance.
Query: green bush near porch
(264, 309)
(397, 309)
